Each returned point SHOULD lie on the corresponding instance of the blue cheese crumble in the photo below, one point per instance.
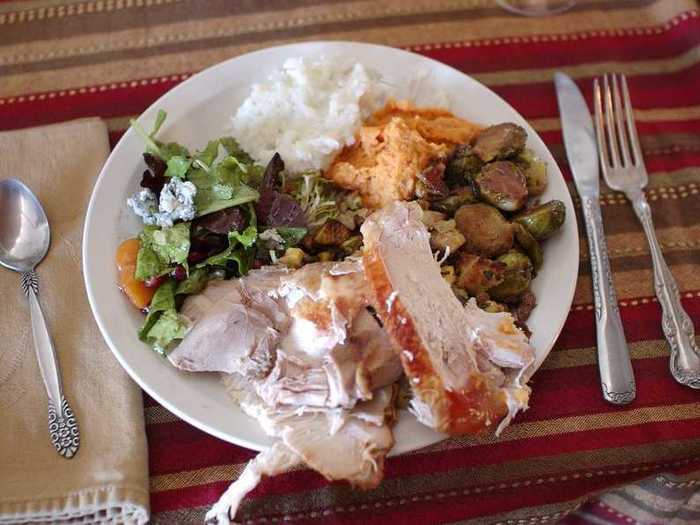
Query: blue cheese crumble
(176, 203)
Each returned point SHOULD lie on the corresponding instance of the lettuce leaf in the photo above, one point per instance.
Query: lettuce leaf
(148, 264)
(162, 325)
(196, 281)
(178, 166)
(171, 245)
(156, 147)
(238, 251)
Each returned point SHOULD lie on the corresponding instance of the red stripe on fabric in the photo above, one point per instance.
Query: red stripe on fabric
(508, 451)
(642, 322)
(538, 100)
(290, 483)
(564, 50)
(177, 446)
(107, 103)
(576, 391)
(474, 506)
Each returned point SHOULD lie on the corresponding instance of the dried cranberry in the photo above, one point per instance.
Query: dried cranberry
(432, 178)
(257, 263)
(155, 281)
(155, 164)
(222, 221)
(179, 273)
(154, 178)
(196, 257)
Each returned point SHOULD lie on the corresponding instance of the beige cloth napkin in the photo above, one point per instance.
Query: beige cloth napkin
(107, 480)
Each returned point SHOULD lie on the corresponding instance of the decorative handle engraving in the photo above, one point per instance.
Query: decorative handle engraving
(616, 374)
(63, 427)
(676, 323)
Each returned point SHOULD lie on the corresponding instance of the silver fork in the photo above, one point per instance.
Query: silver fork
(623, 168)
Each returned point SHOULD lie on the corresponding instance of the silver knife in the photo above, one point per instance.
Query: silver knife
(616, 375)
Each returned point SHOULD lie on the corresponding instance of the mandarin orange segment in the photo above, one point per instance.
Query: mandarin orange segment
(137, 292)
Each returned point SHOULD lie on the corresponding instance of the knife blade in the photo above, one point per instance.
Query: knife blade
(614, 364)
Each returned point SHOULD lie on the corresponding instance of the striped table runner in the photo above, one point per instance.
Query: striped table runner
(64, 59)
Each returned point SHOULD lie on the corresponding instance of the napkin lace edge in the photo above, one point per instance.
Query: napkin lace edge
(98, 504)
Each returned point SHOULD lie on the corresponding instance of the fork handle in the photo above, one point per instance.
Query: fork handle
(614, 364)
(676, 323)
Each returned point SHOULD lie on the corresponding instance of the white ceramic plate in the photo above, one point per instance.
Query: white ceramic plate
(199, 110)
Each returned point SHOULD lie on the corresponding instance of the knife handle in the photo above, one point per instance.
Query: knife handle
(616, 375)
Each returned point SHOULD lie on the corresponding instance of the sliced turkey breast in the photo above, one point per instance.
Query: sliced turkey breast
(451, 355)
(305, 335)
(236, 326)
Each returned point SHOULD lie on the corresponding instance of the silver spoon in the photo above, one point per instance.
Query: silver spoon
(24, 241)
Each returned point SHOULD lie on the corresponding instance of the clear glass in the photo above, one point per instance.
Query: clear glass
(536, 7)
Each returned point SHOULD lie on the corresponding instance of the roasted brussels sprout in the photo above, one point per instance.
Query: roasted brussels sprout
(462, 165)
(516, 278)
(486, 231)
(445, 236)
(515, 260)
(535, 171)
(544, 220)
(530, 245)
(476, 274)
(332, 233)
(502, 184)
(457, 197)
(515, 283)
(499, 142)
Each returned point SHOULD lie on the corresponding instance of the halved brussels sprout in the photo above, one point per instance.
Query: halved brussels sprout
(515, 260)
(500, 141)
(544, 220)
(535, 171)
(486, 231)
(476, 274)
(516, 278)
(502, 184)
(515, 283)
(530, 245)
(457, 197)
(462, 165)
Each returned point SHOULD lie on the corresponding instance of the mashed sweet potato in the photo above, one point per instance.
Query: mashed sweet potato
(393, 147)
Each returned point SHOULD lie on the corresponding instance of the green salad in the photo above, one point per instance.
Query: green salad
(215, 214)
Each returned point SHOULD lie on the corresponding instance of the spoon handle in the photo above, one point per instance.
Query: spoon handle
(63, 427)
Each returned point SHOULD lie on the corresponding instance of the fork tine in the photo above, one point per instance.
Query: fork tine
(609, 124)
(600, 128)
(621, 133)
(631, 128)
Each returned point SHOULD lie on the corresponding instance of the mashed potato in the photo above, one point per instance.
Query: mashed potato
(307, 112)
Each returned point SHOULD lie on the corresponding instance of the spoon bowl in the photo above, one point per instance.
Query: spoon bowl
(24, 228)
